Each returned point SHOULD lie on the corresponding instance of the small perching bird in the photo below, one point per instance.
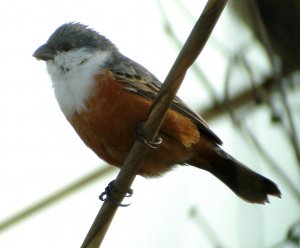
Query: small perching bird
(105, 96)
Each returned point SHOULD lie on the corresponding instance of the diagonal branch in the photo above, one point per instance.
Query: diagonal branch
(195, 68)
(131, 166)
(54, 198)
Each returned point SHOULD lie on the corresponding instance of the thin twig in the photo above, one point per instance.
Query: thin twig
(53, 198)
(195, 68)
(209, 232)
(263, 34)
(292, 238)
(131, 166)
(293, 135)
(238, 101)
(220, 46)
(272, 164)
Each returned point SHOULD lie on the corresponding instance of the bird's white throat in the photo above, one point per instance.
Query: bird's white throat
(72, 74)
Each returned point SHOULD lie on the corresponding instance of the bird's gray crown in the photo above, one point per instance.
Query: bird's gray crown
(76, 35)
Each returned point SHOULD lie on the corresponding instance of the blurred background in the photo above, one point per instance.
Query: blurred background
(246, 84)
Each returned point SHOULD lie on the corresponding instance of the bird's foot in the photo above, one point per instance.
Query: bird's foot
(110, 190)
(141, 137)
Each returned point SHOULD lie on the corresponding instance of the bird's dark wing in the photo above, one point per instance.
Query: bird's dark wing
(139, 80)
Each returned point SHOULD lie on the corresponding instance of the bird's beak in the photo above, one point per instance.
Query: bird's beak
(44, 52)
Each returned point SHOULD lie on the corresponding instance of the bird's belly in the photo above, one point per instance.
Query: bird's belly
(109, 123)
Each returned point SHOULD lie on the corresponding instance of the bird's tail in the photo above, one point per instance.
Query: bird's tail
(247, 184)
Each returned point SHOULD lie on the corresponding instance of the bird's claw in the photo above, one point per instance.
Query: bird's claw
(108, 194)
(140, 136)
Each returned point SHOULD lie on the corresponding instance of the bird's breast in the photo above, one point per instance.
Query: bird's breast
(74, 86)
(108, 122)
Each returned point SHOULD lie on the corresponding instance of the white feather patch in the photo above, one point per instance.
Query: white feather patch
(72, 74)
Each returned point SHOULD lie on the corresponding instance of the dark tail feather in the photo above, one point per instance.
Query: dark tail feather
(247, 184)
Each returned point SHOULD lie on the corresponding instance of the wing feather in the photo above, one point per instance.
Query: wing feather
(135, 78)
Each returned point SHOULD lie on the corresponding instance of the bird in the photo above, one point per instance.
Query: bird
(106, 96)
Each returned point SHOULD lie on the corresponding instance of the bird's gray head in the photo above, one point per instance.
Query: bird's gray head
(72, 36)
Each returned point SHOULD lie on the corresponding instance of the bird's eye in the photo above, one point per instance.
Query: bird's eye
(64, 47)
